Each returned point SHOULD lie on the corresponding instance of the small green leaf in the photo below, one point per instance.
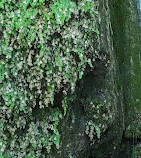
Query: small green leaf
(1, 5)
(90, 63)
(57, 140)
(80, 74)
(97, 31)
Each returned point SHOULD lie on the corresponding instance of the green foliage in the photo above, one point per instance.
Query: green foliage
(45, 47)
(96, 128)
(136, 151)
(62, 10)
(91, 129)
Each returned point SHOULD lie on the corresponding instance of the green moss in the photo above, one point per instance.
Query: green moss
(126, 33)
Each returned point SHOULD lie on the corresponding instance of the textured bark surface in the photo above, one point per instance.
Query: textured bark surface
(127, 39)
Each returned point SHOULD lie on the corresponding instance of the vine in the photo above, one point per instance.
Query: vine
(44, 50)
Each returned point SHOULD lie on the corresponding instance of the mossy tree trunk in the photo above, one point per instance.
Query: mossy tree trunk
(127, 45)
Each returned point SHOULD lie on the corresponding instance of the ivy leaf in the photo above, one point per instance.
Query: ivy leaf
(1, 5)
(1, 77)
(97, 31)
(80, 74)
(59, 62)
(57, 140)
(98, 131)
(90, 63)
(41, 1)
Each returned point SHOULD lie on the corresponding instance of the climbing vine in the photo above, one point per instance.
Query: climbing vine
(45, 47)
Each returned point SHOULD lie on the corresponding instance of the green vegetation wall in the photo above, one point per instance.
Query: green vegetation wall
(45, 46)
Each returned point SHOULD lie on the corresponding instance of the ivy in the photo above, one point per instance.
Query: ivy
(44, 50)
(62, 10)
(91, 129)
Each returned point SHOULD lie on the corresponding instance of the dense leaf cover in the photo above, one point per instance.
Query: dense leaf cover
(44, 49)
